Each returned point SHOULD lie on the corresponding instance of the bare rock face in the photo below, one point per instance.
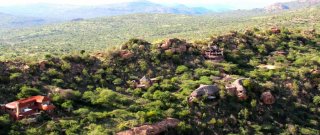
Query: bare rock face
(167, 44)
(153, 129)
(267, 98)
(276, 7)
(126, 54)
(176, 45)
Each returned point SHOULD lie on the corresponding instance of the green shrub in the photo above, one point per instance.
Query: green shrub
(15, 76)
(26, 91)
(316, 100)
(181, 69)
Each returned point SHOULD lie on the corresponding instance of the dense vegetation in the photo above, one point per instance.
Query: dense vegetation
(103, 100)
(97, 34)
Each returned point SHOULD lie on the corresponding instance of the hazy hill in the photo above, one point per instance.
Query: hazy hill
(298, 4)
(132, 8)
(69, 12)
(12, 21)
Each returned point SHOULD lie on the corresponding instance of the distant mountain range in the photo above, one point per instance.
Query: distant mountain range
(44, 13)
(69, 12)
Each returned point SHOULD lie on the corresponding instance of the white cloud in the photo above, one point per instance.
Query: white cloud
(206, 3)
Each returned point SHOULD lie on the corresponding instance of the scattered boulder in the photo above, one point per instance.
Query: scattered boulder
(142, 47)
(237, 89)
(166, 45)
(99, 55)
(271, 67)
(65, 93)
(280, 52)
(42, 65)
(154, 129)
(267, 98)
(209, 90)
(275, 30)
(25, 68)
(315, 72)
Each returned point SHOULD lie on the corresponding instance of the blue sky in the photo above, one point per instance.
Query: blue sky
(234, 4)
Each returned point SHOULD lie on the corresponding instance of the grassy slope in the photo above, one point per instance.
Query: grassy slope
(117, 106)
(97, 34)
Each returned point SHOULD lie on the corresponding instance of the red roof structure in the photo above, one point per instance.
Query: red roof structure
(29, 106)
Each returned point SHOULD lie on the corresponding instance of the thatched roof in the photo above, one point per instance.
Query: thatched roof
(145, 79)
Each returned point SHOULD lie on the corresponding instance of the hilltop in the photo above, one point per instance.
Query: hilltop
(105, 33)
(298, 4)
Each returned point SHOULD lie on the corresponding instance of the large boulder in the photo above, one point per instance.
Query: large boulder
(267, 98)
(42, 65)
(236, 88)
(209, 90)
(241, 91)
(275, 30)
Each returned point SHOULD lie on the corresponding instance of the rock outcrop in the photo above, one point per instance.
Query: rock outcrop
(154, 129)
(125, 54)
(174, 45)
(276, 7)
(237, 89)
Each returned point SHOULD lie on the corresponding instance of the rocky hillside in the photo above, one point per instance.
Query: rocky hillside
(106, 92)
(292, 5)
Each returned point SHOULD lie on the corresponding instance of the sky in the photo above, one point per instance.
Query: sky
(234, 4)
